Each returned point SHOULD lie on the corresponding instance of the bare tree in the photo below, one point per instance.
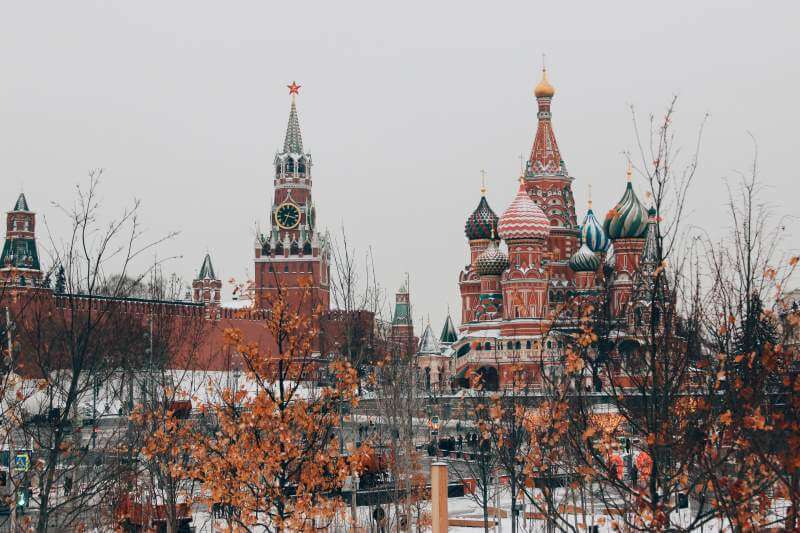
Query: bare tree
(73, 343)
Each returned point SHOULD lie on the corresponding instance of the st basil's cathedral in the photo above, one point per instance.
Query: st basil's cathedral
(527, 262)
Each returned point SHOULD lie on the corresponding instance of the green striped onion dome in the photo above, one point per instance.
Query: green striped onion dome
(592, 234)
(628, 219)
(584, 260)
(482, 223)
(492, 261)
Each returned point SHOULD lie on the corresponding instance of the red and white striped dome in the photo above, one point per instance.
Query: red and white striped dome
(523, 219)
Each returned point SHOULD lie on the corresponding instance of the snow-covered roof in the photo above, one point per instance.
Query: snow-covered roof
(237, 304)
(428, 343)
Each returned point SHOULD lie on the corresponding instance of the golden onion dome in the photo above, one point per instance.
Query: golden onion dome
(544, 89)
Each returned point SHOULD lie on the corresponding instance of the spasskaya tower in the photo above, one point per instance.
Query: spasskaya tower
(292, 254)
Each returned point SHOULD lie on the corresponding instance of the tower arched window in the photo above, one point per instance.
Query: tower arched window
(518, 345)
(508, 345)
(528, 344)
(487, 346)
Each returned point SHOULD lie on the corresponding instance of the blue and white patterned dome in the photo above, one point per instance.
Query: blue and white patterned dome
(584, 260)
(592, 234)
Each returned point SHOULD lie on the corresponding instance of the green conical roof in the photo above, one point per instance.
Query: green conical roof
(293, 143)
(207, 270)
(22, 203)
(449, 335)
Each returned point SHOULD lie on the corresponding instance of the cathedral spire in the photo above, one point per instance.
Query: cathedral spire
(545, 159)
(293, 143)
(650, 256)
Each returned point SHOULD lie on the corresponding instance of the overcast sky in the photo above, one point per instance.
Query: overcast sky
(185, 103)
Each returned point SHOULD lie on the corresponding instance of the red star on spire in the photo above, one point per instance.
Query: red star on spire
(294, 88)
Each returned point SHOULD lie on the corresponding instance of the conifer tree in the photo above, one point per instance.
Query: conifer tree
(756, 329)
(61, 281)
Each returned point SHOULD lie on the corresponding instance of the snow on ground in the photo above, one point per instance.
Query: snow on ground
(465, 508)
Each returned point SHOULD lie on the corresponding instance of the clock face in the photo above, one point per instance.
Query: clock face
(287, 216)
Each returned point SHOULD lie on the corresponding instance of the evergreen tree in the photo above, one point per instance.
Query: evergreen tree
(756, 329)
(61, 281)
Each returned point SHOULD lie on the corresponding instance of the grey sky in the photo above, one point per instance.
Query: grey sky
(184, 105)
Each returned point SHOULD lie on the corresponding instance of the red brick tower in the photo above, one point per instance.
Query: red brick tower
(207, 288)
(19, 261)
(550, 185)
(402, 322)
(293, 253)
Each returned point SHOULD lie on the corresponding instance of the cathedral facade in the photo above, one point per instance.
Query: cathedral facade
(530, 260)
